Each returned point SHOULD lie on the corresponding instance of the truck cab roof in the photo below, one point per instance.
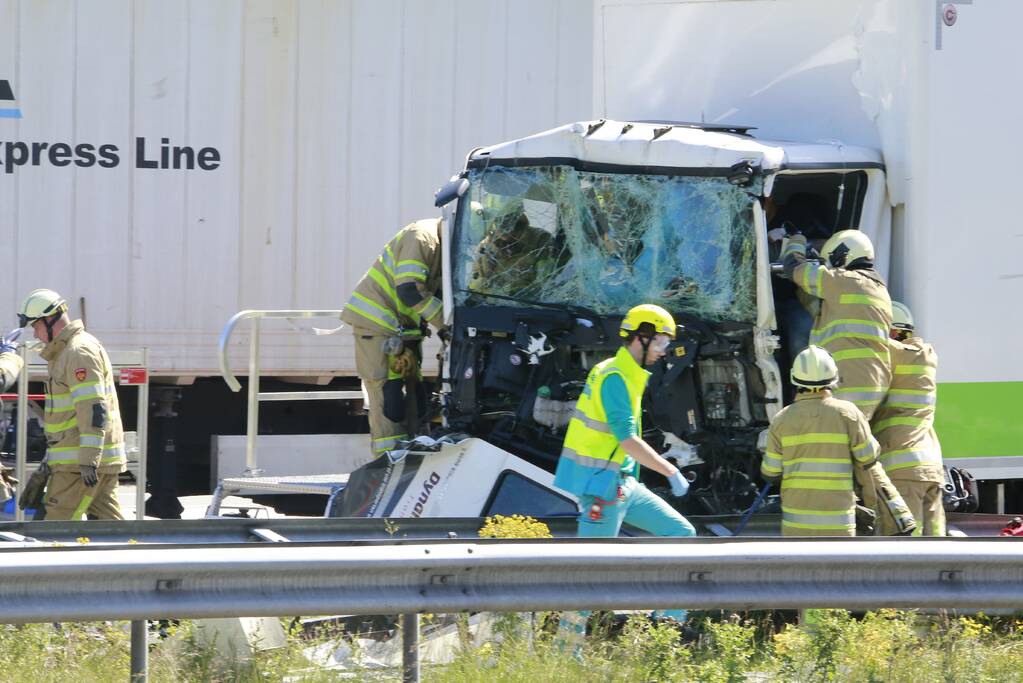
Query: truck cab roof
(669, 148)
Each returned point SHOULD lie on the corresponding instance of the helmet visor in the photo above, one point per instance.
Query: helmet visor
(660, 343)
(24, 320)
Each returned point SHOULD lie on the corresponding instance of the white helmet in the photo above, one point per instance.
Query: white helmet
(814, 369)
(902, 317)
(39, 304)
(847, 246)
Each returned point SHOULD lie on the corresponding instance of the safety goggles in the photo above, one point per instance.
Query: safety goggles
(660, 343)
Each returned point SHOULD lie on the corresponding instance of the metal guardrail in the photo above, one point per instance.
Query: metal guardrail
(233, 530)
(42, 584)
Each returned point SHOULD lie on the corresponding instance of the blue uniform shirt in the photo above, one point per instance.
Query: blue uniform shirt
(618, 408)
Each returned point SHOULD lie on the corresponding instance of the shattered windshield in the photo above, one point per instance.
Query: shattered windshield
(607, 241)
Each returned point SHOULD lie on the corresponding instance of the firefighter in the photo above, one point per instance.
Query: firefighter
(388, 313)
(814, 446)
(904, 425)
(85, 441)
(604, 449)
(854, 316)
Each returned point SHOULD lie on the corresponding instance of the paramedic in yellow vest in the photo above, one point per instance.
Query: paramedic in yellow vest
(855, 312)
(813, 447)
(85, 441)
(604, 448)
(387, 312)
(904, 425)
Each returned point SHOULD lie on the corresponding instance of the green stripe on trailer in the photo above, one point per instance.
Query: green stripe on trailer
(980, 419)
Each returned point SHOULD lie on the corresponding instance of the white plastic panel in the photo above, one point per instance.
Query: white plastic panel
(335, 122)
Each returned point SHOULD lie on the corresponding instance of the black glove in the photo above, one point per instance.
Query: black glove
(35, 488)
(445, 334)
(791, 229)
(89, 477)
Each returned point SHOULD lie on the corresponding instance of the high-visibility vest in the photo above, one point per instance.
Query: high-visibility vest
(904, 423)
(591, 460)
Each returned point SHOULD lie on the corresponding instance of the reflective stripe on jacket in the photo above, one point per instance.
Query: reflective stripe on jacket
(591, 459)
(413, 256)
(83, 418)
(852, 324)
(813, 445)
(904, 423)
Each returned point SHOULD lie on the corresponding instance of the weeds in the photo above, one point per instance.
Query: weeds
(885, 646)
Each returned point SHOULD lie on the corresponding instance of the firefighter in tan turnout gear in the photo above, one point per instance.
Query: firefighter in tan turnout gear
(855, 312)
(85, 442)
(813, 446)
(904, 425)
(388, 313)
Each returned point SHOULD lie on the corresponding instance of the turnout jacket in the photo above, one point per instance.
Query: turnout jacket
(413, 256)
(904, 423)
(852, 324)
(813, 445)
(10, 368)
(83, 419)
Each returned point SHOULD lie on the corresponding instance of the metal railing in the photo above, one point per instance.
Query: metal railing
(255, 396)
(42, 584)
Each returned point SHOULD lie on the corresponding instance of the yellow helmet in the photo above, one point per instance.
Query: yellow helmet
(661, 320)
(40, 303)
(902, 317)
(846, 246)
(814, 369)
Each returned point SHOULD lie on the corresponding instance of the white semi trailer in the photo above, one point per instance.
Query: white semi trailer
(889, 114)
(167, 164)
(929, 85)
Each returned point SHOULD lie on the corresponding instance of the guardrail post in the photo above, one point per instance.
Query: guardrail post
(410, 648)
(139, 651)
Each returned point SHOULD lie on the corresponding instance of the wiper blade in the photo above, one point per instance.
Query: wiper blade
(574, 309)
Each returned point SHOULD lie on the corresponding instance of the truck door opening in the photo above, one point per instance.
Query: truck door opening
(817, 205)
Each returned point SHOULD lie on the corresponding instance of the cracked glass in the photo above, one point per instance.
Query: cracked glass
(607, 241)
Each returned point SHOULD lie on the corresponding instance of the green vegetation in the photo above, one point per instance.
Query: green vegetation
(879, 646)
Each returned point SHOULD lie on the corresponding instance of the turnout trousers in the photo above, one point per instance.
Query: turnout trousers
(67, 498)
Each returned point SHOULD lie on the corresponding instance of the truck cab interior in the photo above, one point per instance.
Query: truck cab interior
(817, 204)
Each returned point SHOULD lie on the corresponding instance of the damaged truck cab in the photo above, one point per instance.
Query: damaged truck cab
(551, 238)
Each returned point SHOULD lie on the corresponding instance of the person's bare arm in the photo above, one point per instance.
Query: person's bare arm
(646, 456)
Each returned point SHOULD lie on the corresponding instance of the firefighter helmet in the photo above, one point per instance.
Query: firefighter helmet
(39, 304)
(814, 369)
(902, 317)
(847, 246)
(655, 316)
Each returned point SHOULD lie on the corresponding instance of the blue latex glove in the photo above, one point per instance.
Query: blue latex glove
(7, 344)
(679, 484)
